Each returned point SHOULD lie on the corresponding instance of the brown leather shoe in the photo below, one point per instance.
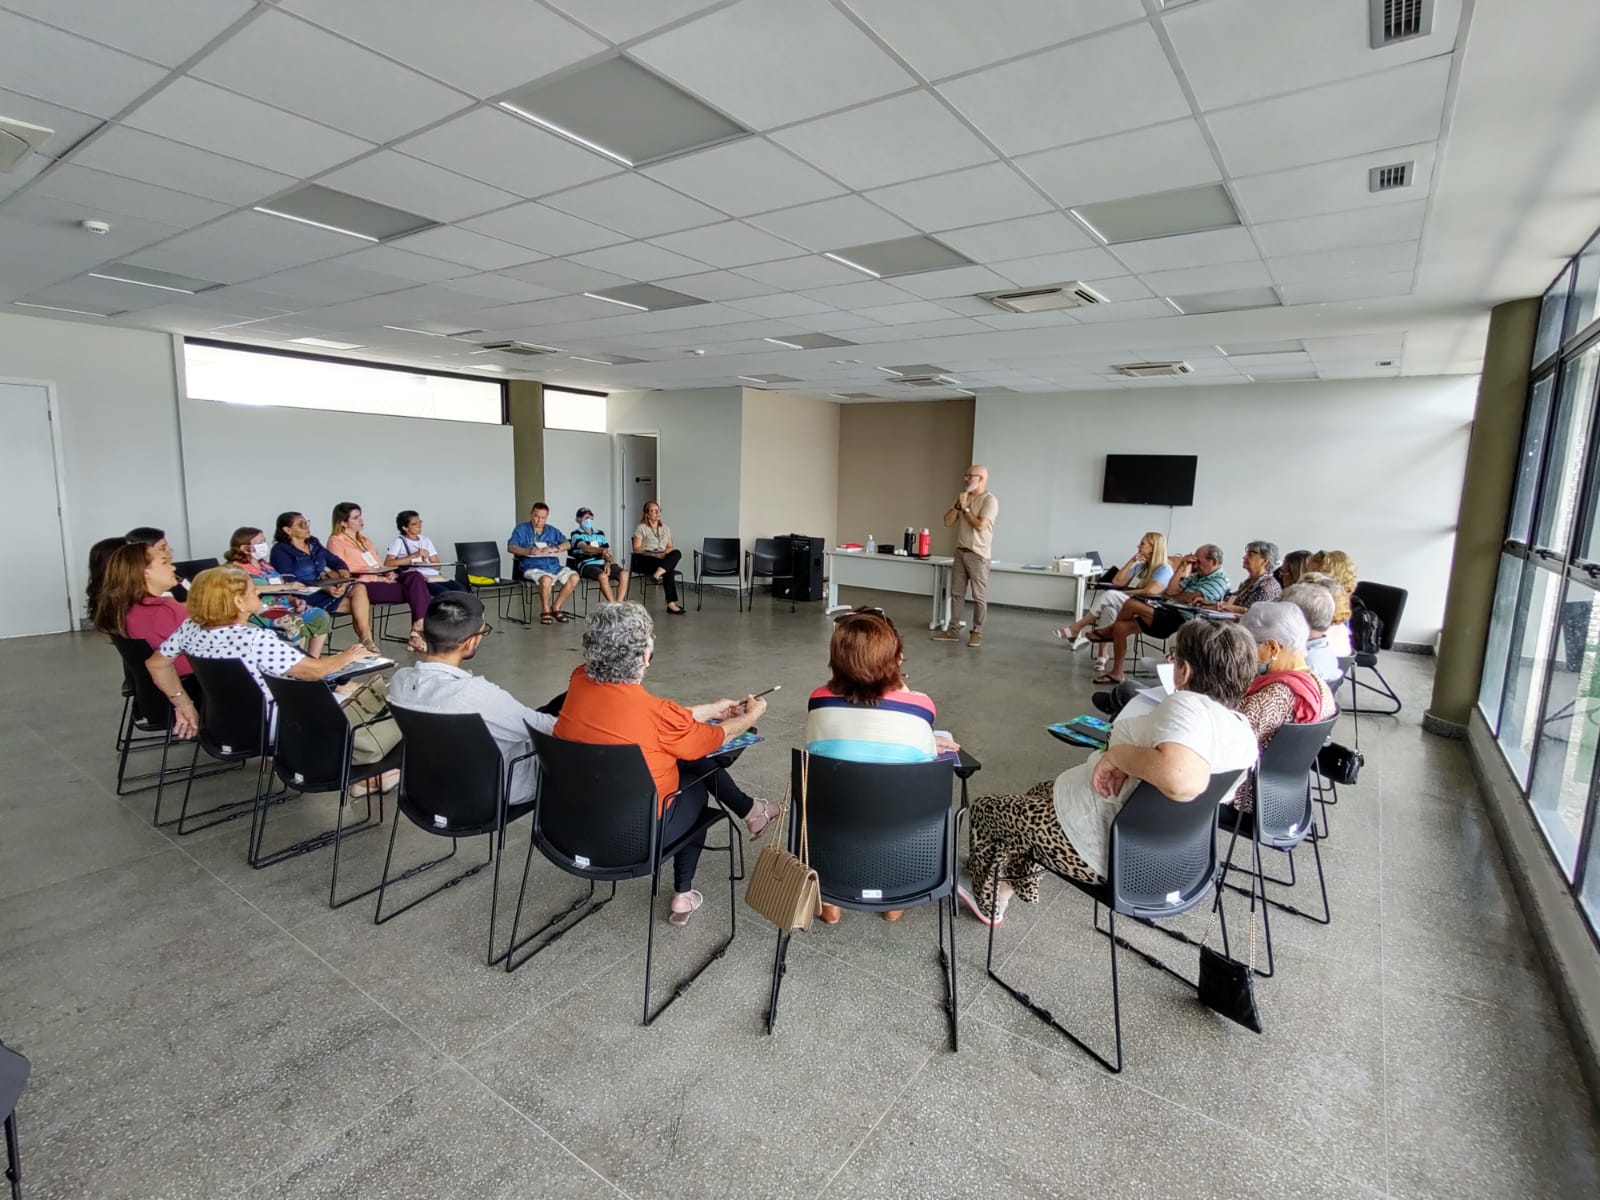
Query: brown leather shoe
(946, 635)
(975, 640)
(894, 914)
(830, 913)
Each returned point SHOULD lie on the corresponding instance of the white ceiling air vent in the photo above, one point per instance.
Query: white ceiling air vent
(18, 139)
(1045, 299)
(1148, 370)
(525, 349)
(1394, 21)
(1395, 175)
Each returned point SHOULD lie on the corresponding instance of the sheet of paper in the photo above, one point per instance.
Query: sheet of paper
(1168, 675)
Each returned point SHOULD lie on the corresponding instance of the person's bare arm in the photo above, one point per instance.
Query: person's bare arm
(165, 673)
(1173, 769)
(318, 668)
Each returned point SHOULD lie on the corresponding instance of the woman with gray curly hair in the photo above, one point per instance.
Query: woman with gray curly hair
(1260, 586)
(606, 704)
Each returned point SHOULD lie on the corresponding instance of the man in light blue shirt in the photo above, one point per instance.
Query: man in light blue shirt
(538, 546)
(1199, 579)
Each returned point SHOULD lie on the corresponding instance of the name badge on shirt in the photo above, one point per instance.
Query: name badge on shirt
(370, 558)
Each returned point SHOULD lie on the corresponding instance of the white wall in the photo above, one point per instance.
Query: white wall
(698, 462)
(1373, 467)
(577, 473)
(789, 467)
(245, 465)
(119, 429)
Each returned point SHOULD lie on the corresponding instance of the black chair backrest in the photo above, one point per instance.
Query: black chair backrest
(1283, 788)
(192, 567)
(477, 558)
(881, 828)
(149, 704)
(452, 778)
(772, 557)
(1388, 602)
(719, 556)
(1163, 853)
(313, 745)
(14, 1072)
(596, 810)
(232, 709)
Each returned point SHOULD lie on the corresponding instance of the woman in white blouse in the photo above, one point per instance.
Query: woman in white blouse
(654, 554)
(413, 548)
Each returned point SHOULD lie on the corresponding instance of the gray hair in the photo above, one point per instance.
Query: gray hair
(1211, 551)
(615, 642)
(1275, 621)
(1314, 601)
(1267, 550)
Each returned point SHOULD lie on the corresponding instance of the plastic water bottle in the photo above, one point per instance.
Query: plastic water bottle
(923, 544)
(872, 547)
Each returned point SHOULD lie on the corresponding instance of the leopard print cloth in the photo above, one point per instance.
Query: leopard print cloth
(1020, 834)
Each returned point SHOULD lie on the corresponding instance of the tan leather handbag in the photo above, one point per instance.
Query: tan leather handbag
(783, 888)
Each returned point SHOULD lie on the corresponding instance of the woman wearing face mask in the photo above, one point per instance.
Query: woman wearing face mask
(591, 557)
(349, 542)
(286, 610)
(1285, 690)
(415, 549)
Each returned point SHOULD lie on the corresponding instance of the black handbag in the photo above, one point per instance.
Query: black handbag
(1227, 986)
(1340, 763)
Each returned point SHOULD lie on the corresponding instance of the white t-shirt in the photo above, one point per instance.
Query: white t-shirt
(1339, 640)
(1219, 735)
(404, 547)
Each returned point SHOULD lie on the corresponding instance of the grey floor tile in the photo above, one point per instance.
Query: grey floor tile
(85, 829)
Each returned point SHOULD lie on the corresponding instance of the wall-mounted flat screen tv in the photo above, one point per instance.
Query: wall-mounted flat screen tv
(1164, 479)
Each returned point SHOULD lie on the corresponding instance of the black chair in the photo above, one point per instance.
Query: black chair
(597, 818)
(483, 560)
(14, 1072)
(1281, 819)
(455, 784)
(235, 726)
(772, 559)
(717, 558)
(1389, 603)
(151, 713)
(186, 571)
(881, 836)
(312, 754)
(1163, 862)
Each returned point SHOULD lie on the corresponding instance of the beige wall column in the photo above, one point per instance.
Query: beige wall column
(1480, 527)
(525, 410)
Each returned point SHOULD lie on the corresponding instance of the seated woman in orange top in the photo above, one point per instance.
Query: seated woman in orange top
(364, 561)
(606, 704)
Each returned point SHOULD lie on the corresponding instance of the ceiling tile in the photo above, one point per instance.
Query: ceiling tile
(547, 312)
(416, 186)
(1059, 268)
(69, 127)
(770, 62)
(829, 224)
(59, 68)
(747, 176)
(211, 119)
(1332, 186)
(543, 229)
(905, 314)
(167, 33)
(1020, 106)
(465, 247)
(1363, 287)
(1188, 250)
(1159, 159)
(564, 276)
(1234, 51)
(962, 36)
(330, 282)
(1224, 277)
(621, 20)
(454, 42)
(784, 304)
(242, 246)
(1131, 310)
(904, 137)
(794, 274)
(718, 285)
(1345, 264)
(1398, 107)
(508, 152)
(639, 260)
(858, 295)
(955, 281)
(143, 156)
(23, 174)
(417, 268)
(1122, 287)
(502, 288)
(1047, 233)
(1334, 231)
(994, 192)
(730, 244)
(634, 205)
(111, 194)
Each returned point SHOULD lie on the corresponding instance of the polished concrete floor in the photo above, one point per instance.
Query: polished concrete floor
(202, 1029)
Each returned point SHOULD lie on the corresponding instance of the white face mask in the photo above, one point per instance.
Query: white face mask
(259, 549)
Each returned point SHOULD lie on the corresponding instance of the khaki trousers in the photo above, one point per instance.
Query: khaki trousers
(970, 567)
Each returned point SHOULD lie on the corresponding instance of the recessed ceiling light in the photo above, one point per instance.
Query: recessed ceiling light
(900, 256)
(1233, 349)
(845, 362)
(781, 342)
(886, 370)
(614, 300)
(409, 329)
(768, 379)
(81, 312)
(809, 341)
(160, 280)
(485, 367)
(338, 212)
(325, 343)
(837, 396)
(607, 360)
(855, 266)
(1160, 214)
(622, 110)
(750, 378)
(1229, 301)
(646, 296)
(599, 362)
(1174, 305)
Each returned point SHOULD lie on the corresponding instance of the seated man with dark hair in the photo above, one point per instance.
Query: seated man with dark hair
(1198, 579)
(537, 546)
(453, 628)
(591, 557)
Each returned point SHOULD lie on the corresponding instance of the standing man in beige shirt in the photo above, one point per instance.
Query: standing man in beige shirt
(975, 508)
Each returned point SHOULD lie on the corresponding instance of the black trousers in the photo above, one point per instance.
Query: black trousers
(1162, 623)
(646, 564)
(699, 782)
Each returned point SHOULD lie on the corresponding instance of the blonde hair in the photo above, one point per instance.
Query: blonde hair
(1341, 598)
(213, 595)
(1158, 552)
(1336, 563)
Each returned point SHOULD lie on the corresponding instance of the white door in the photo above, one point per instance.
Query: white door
(28, 486)
(639, 483)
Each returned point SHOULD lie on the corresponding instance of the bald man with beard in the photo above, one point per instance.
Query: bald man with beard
(973, 512)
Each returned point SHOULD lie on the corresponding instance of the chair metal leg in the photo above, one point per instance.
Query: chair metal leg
(378, 916)
(947, 964)
(716, 953)
(13, 1157)
(338, 838)
(1381, 688)
(229, 810)
(512, 962)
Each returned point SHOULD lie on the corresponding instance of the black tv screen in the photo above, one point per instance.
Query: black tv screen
(1164, 479)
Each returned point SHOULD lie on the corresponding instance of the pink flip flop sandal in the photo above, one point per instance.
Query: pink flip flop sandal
(682, 918)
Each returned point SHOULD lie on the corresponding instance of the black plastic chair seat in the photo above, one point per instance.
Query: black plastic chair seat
(14, 1072)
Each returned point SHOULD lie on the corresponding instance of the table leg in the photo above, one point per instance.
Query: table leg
(941, 597)
(1077, 597)
(833, 589)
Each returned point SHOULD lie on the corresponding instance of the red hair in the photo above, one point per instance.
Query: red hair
(864, 657)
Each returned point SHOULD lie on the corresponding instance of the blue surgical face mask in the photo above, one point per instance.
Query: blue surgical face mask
(587, 525)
